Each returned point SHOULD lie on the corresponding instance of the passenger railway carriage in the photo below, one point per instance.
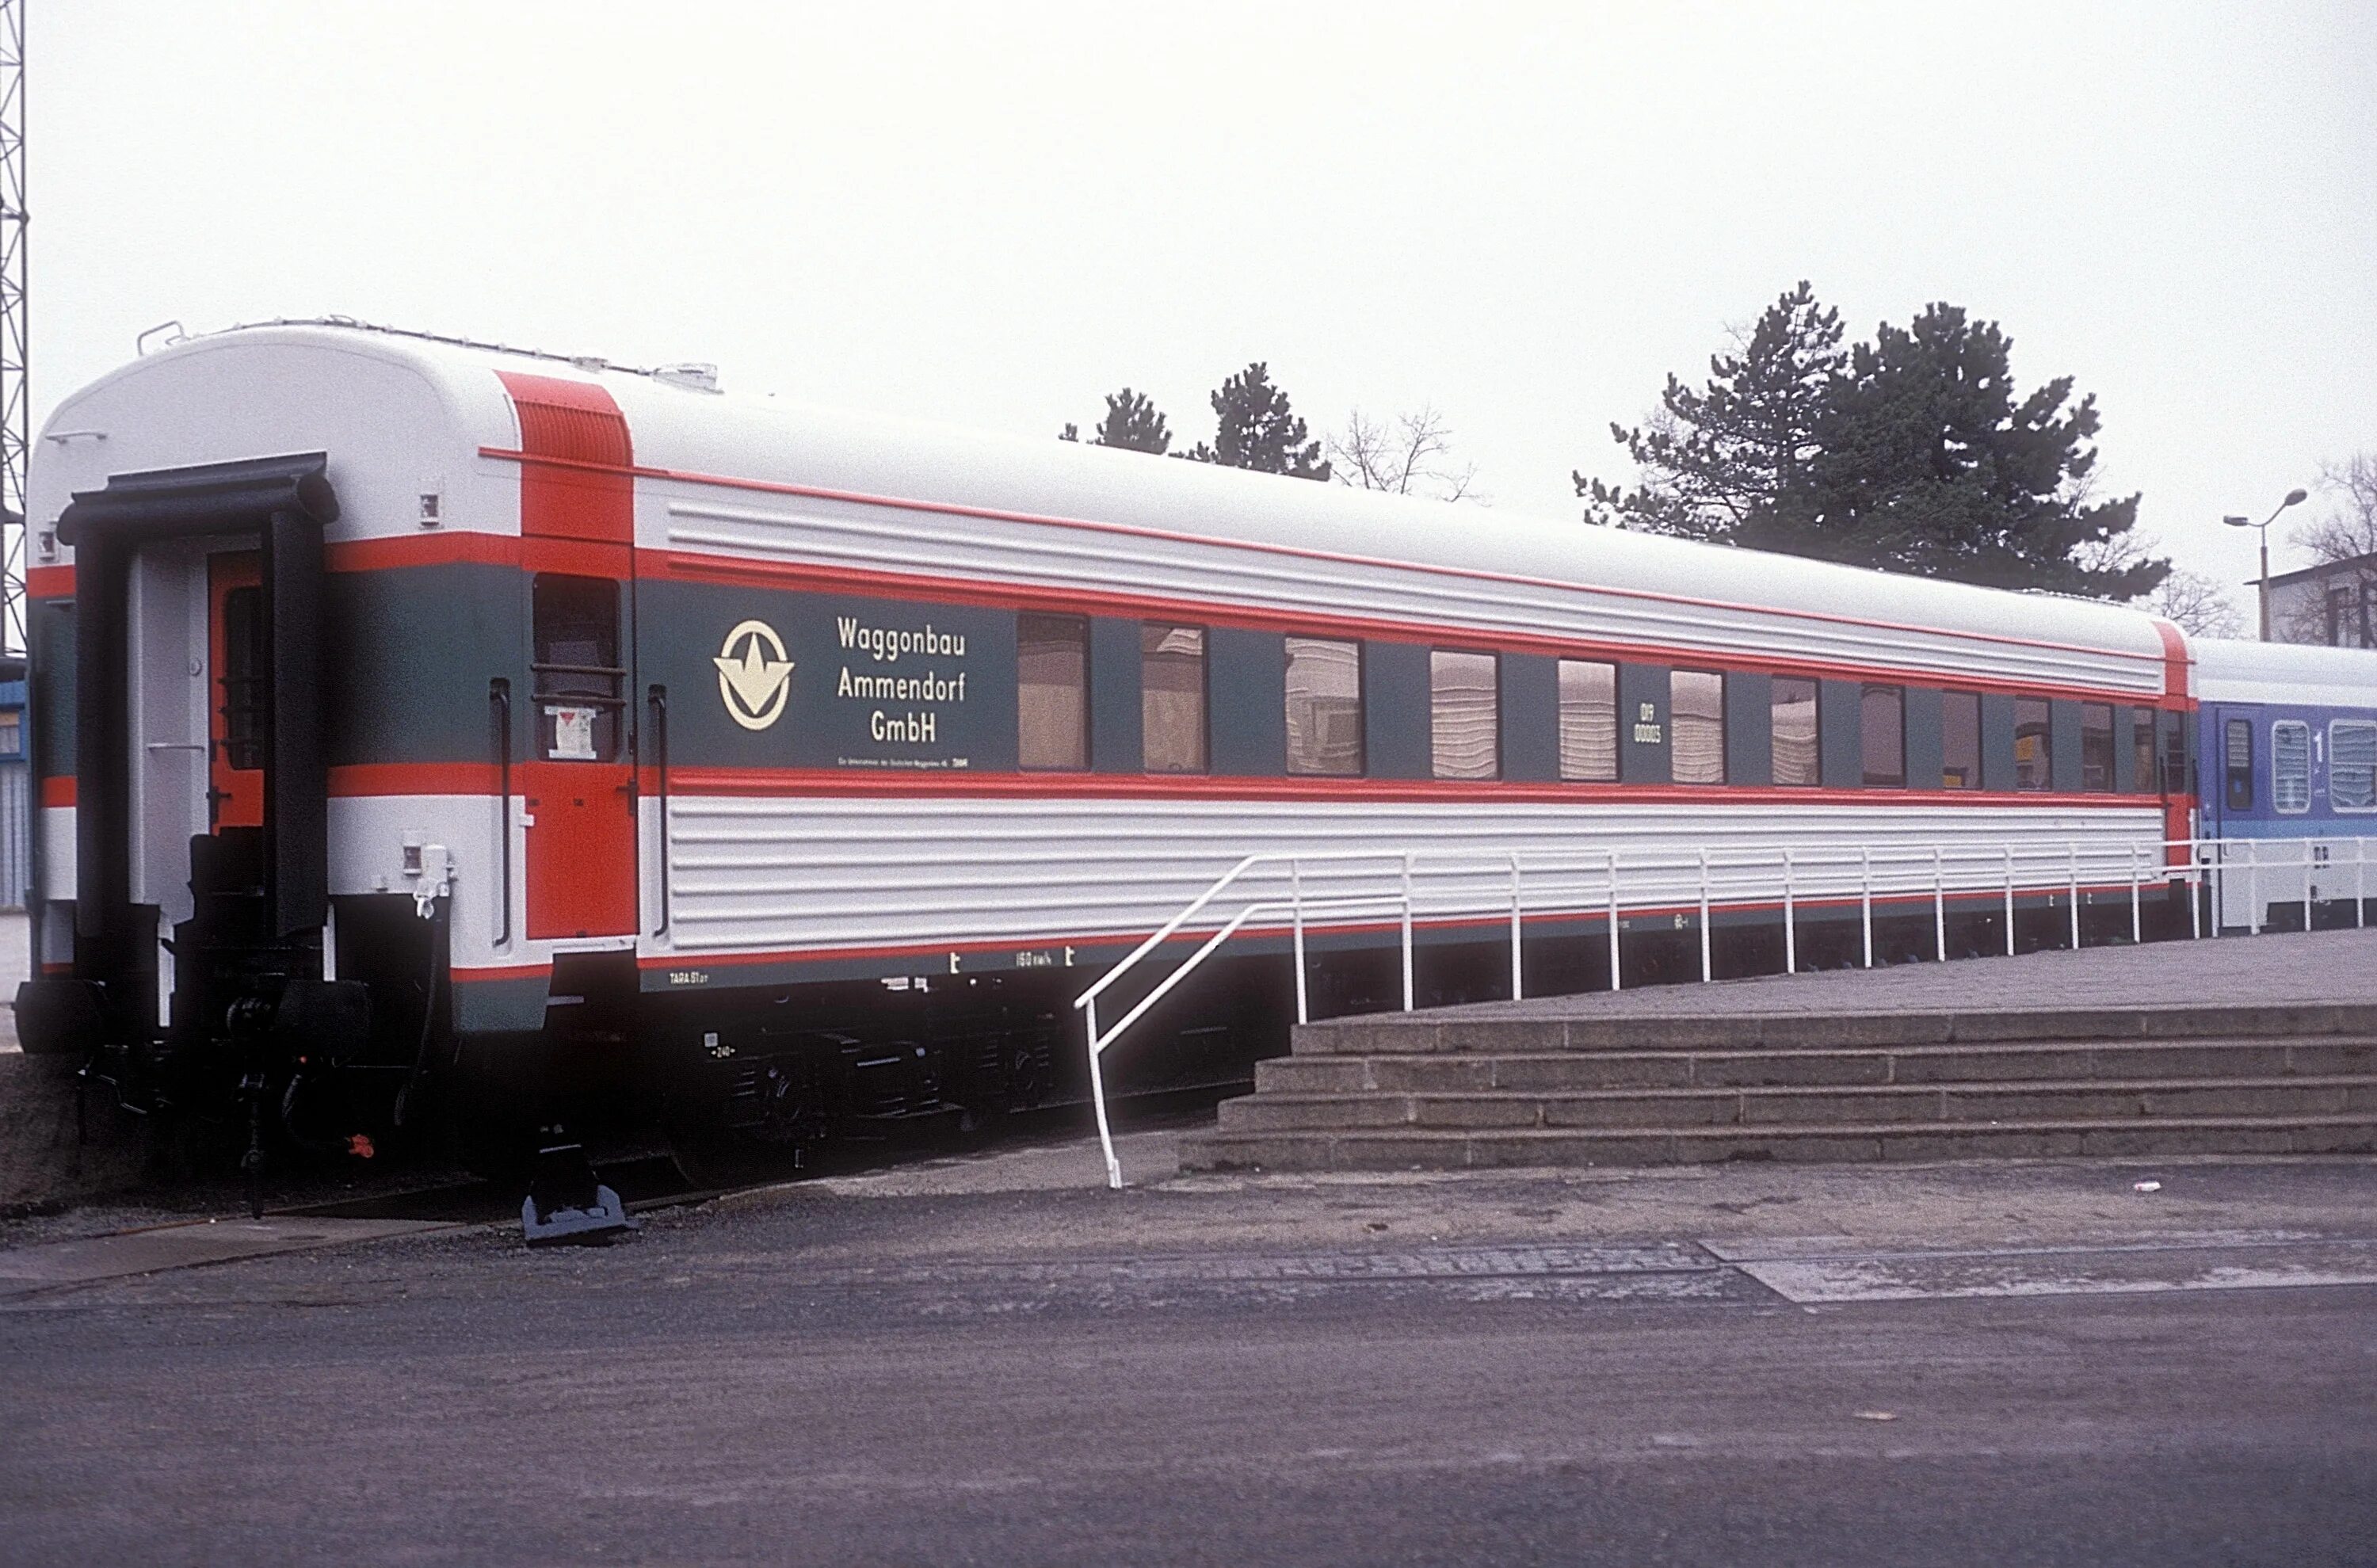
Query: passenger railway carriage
(415, 713)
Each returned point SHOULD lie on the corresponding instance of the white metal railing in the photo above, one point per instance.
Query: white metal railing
(1373, 889)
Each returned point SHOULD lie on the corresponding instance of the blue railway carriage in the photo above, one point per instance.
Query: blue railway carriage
(419, 722)
(2287, 775)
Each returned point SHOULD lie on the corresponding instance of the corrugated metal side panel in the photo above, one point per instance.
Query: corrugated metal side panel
(791, 876)
(16, 835)
(847, 535)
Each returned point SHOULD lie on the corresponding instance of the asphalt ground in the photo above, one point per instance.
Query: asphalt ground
(991, 1359)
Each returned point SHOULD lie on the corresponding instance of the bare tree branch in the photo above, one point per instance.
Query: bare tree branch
(1409, 455)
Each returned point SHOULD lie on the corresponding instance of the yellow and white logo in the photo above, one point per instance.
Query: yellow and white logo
(753, 682)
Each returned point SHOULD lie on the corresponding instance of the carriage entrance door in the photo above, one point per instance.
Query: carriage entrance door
(580, 787)
(578, 537)
(237, 698)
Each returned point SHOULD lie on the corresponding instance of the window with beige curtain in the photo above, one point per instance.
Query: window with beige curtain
(1052, 691)
(1464, 714)
(1171, 699)
(1794, 719)
(1588, 721)
(1696, 721)
(1325, 707)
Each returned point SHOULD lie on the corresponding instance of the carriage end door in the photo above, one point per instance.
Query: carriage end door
(577, 543)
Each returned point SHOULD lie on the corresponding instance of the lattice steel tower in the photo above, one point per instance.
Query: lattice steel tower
(15, 398)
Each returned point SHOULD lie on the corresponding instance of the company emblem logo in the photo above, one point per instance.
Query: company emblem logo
(754, 676)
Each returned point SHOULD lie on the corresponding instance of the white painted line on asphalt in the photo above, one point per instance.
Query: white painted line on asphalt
(1909, 1277)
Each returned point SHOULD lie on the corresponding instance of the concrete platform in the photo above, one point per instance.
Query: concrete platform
(2246, 1045)
(26, 1269)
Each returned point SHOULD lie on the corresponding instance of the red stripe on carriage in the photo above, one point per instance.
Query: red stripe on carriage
(58, 790)
(585, 489)
(50, 583)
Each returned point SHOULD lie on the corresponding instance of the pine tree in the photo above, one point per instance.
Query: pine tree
(1911, 453)
(1730, 461)
(1132, 423)
(1932, 465)
(1257, 429)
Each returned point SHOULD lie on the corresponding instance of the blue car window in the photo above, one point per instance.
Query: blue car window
(2290, 766)
(2352, 764)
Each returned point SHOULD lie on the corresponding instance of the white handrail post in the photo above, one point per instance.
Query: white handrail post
(2196, 884)
(2253, 887)
(1617, 980)
(1407, 931)
(1295, 902)
(1098, 1098)
(1518, 980)
(2073, 846)
(1790, 925)
(1707, 971)
(1940, 904)
(1865, 897)
(2009, 899)
(2138, 913)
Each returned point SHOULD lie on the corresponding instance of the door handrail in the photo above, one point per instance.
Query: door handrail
(656, 698)
(499, 717)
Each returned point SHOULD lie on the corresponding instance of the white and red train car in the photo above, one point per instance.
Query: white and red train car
(407, 710)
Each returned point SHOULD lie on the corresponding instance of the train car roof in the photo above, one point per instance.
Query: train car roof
(688, 432)
(2284, 672)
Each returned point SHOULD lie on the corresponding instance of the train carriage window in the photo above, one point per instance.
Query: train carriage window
(2095, 745)
(1794, 718)
(1325, 707)
(1882, 716)
(1696, 713)
(2142, 741)
(2034, 756)
(2352, 764)
(580, 682)
(244, 678)
(2237, 762)
(1588, 721)
(1464, 714)
(1052, 691)
(1171, 699)
(2290, 767)
(1959, 740)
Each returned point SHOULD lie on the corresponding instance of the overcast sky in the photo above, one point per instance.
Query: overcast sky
(1525, 215)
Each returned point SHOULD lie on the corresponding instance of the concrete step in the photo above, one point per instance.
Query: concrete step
(1433, 1033)
(1844, 1107)
(1418, 1148)
(1558, 1071)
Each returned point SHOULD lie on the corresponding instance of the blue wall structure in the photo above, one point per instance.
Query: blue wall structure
(16, 789)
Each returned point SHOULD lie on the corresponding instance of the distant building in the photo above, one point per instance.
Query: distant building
(16, 789)
(2333, 603)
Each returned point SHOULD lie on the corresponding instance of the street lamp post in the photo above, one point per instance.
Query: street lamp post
(2293, 497)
